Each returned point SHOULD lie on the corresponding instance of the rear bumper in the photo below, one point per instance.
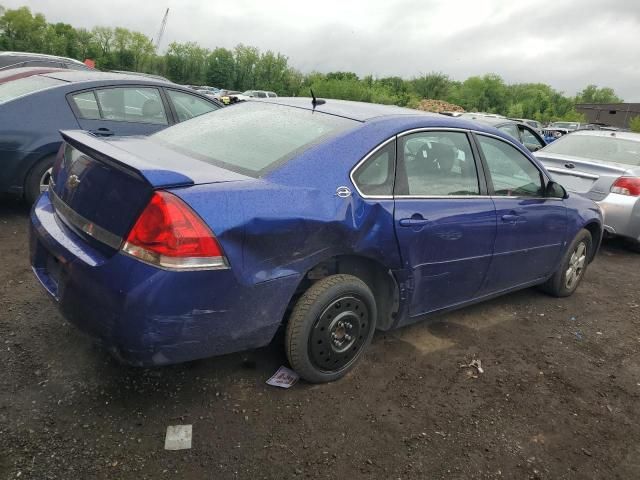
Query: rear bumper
(621, 215)
(147, 316)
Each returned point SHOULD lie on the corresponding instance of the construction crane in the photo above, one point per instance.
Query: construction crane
(161, 32)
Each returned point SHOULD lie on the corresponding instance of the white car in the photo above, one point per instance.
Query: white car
(259, 94)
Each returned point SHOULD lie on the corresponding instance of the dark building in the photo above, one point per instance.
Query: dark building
(614, 114)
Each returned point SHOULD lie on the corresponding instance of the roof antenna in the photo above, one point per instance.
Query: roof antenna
(316, 101)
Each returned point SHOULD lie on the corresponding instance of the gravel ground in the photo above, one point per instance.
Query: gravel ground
(558, 397)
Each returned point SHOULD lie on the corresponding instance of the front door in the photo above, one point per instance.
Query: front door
(531, 226)
(445, 222)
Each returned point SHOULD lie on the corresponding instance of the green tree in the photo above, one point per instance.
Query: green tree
(220, 70)
(122, 56)
(634, 124)
(434, 86)
(141, 49)
(593, 94)
(22, 31)
(246, 59)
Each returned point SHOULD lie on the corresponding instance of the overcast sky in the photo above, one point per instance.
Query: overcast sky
(565, 43)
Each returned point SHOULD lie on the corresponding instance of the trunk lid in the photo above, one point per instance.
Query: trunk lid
(99, 187)
(589, 178)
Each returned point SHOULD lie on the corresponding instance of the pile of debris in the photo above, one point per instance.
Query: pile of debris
(438, 106)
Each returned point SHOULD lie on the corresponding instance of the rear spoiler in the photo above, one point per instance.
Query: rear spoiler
(108, 153)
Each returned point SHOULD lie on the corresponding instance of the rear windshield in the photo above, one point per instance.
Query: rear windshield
(607, 149)
(25, 86)
(252, 137)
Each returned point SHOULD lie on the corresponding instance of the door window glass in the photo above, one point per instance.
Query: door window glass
(511, 172)
(375, 176)
(189, 106)
(529, 140)
(87, 105)
(142, 105)
(439, 164)
(510, 130)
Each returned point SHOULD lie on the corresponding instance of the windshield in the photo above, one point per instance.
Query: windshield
(600, 148)
(252, 138)
(25, 86)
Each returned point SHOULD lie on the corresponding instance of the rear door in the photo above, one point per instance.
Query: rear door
(530, 226)
(445, 222)
(128, 110)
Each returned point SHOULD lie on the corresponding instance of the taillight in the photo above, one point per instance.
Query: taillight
(169, 234)
(627, 186)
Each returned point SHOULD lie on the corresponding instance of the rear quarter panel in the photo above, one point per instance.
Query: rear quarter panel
(29, 131)
(581, 212)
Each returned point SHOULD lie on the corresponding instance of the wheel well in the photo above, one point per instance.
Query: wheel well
(596, 231)
(33, 166)
(377, 277)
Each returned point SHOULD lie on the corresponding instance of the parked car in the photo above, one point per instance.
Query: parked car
(22, 72)
(605, 167)
(569, 126)
(34, 109)
(331, 219)
(518, 130)
(551, 134)
(140, 74)
(259, 94)
(537, 126)
(230, 96)
(25, 59)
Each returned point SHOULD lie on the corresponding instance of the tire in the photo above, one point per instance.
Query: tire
(39, 172)
(572, 268)
(633, 246)
(330, 327)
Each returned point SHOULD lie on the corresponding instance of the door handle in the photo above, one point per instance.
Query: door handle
(102, 132)
(510, 218)
(413, 222)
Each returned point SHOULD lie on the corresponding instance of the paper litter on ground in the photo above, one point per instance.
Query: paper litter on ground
(178, 437)
(283, 378)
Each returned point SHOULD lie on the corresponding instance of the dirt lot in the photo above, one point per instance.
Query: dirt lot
(559, 397)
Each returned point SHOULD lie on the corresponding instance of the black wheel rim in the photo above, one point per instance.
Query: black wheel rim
(339, 333)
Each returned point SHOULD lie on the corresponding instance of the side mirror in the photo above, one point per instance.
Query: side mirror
(555, 190)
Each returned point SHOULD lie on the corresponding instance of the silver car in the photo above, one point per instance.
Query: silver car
(603, 166)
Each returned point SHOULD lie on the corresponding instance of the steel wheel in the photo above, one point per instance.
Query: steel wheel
(339, 333)
(577, 262)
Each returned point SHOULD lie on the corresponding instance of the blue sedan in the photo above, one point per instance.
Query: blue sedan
(34, 109)
(329, 219)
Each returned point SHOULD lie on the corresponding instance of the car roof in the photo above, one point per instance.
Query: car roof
(608, 133)
(24, 71)
(40, 55)
(492, 121)
(345, 108)
(75, 76)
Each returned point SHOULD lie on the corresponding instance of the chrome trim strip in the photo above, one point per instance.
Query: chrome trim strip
(75, 221)
(453, 197)
(515, 197)
(367, 157)
(182, 264)
(573, 173)
(418, 197)
(434, 129)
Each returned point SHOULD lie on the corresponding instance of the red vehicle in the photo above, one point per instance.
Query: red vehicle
(16, 73)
